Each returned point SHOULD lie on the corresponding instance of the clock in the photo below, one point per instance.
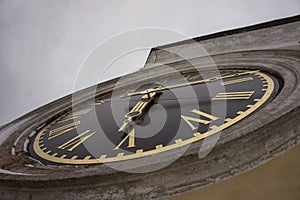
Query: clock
(156, 132)
(156, 115)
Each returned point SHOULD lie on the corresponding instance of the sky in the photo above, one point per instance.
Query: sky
(43, 44)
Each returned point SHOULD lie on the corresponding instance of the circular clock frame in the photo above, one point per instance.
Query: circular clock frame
(247, 144)
(42, 151)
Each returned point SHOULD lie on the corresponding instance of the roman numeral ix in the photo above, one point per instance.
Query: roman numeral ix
(76, 141)
(63, 129)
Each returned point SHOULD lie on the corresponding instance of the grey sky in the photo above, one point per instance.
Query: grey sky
(43, 43)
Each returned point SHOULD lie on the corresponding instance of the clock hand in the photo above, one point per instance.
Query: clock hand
(138, 109)
(209, 80)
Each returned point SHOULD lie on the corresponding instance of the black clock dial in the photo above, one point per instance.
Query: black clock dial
(155, 116)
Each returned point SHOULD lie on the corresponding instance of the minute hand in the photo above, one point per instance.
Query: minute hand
(209, 80)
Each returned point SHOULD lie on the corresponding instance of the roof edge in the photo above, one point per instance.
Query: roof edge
(276, 22)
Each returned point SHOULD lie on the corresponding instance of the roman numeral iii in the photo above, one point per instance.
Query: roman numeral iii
(233, 95)
(208, 118)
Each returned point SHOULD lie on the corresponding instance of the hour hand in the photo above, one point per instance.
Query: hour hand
(125, 124)
(138, 109)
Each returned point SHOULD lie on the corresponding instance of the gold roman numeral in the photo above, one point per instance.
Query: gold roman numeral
(233, 95)
(189, 120)
(63, 129)
(193, 76)
(75, 115)
(76, 141)
(97, 102)
(130, 138)
(237, 81)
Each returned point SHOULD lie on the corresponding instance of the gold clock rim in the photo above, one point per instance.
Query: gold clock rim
(197, 136)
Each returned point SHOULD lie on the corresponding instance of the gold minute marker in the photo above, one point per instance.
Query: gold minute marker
(63, 156)
(158, 147)
(74, 157)
(139, 151)
(178, 141)
(87, 157)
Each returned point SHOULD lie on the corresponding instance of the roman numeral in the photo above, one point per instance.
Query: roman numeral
(193, 76)
(97, 102)
(63, 129)
(75, 115)
(233, 95)
(189, 120)
(160, 80)
(130, 138)
(237, 81)
(76, 141)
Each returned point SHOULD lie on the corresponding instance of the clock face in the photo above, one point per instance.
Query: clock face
(155, 116)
